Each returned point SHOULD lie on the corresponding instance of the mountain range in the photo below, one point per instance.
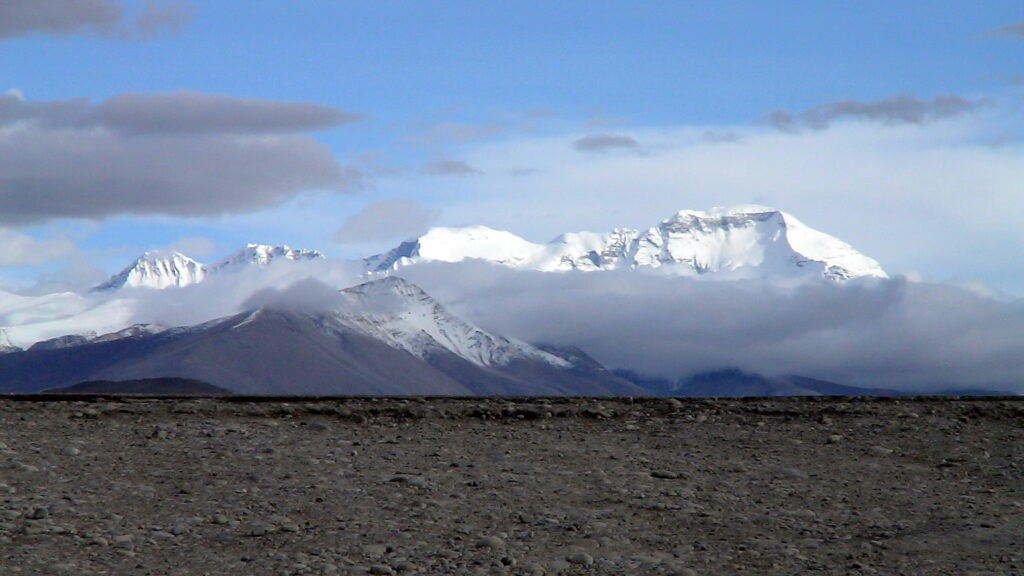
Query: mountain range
(384, 335)
(741, 242)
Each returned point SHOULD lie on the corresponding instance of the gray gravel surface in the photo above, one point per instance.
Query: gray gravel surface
(512, 486)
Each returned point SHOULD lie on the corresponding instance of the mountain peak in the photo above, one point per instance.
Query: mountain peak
(157, 269)
(402, 314)
(262, 255)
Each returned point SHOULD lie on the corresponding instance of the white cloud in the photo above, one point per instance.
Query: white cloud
(387, 220)
(195, 247)
(22, 250)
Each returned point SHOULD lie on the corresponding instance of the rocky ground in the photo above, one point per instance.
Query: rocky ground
(528, 486)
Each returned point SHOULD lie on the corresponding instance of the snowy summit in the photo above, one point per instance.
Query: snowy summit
(158, 270)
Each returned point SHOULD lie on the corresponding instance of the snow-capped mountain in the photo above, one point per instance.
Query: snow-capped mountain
(748, 241)
(403, 315)
(261, 255)
(158, 270)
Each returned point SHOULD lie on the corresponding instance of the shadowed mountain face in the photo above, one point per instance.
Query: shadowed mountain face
(409, 344)
(148, 386)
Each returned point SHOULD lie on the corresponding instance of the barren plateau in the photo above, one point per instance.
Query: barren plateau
(531, 486)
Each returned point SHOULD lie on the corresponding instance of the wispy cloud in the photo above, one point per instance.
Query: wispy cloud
(23, 250)
(450, 168)
(602, 142)
(1011, 30)
(896, 110)
(455, 132)
(98, 17)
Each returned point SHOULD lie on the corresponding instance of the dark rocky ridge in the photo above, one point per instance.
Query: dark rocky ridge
(262, 486)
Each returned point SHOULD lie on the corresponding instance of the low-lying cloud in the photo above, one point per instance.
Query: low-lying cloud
(896, 110)
(96, 17)
(179, 154)
(891, 333)
(306, 296)
(301, 287)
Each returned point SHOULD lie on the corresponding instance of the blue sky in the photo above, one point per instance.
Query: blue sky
(897, 126)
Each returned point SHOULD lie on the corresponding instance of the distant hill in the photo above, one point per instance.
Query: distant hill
(146, 386)
(737, 383)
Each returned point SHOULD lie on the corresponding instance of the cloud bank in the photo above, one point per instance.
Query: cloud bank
(178, 154)
(890, 333)
(99, 17)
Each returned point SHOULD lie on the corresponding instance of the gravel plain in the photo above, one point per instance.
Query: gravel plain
(530, 486)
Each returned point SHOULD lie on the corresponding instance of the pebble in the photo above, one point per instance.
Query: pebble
(580, 558)
(492, 542)
(71, 451)
(531, 569)
(375, 550)
(414, 481)
(260, 529)
(381, 569)
(665, 474)
(880, 451)
(33, 528)
(793, 472)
